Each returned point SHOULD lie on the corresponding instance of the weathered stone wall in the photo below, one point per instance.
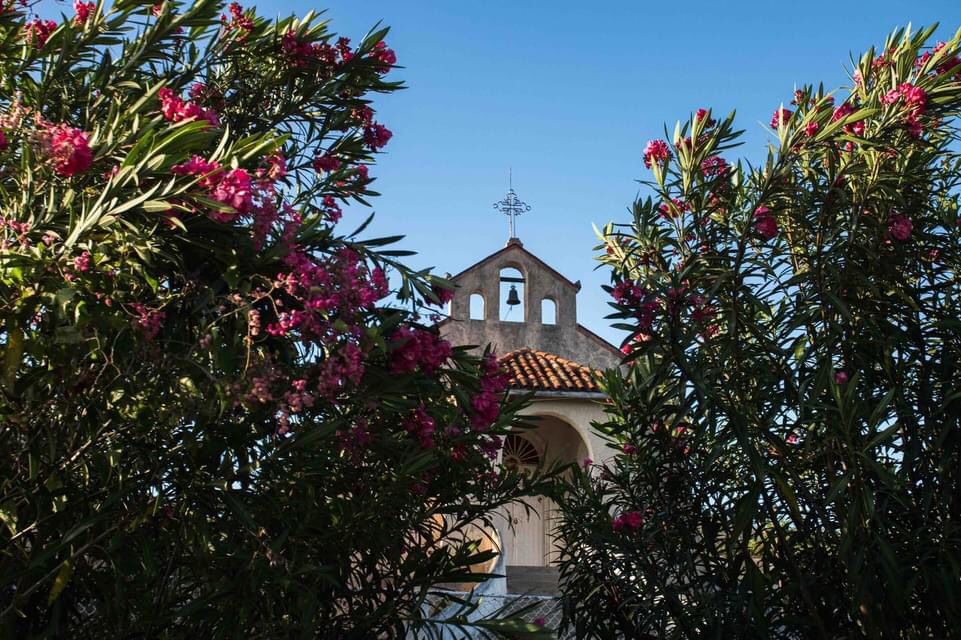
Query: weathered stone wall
(565, 338)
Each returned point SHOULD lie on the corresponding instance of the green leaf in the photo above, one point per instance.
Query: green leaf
(60, 582)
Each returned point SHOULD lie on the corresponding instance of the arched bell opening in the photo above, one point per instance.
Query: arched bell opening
(512, 295)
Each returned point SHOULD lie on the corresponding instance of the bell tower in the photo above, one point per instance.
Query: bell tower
(514, 300)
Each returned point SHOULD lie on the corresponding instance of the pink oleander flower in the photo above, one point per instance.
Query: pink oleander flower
(765, 223)
(891, 97)
(900, 228)
(83, 10)
(385, 55)
(703, 313)
(342, 368)
(238, 21)
(276, 168)
(343, 49)
(82, 262)
(234, 189)
(195, 166)
(656, 152)
(418, 348)
(914, 97)
(176, 109)
(811, 128)
(197, 91)
(629, 520)
(853, 128)
(704, 113)
(149, 321)
(781, 116)
(485, 406)
(376, 136)
(4, 143)
(37, 32)
(914, 125)
(443, 295)
(421, 426)
(675, 209)
(629, 449)
(792, 439)
(300, 52)
(362, 115)
(627, 292)
(485, 409)
(326, 163)
(332, 210)
(841, 377)
(714, 166)
(946, 65)
(67, 149)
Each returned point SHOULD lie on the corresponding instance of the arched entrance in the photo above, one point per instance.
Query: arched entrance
(528, 534)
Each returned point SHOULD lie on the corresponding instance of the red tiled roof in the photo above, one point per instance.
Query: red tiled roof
(542, 371)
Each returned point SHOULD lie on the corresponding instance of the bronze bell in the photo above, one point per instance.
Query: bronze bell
(512, 299)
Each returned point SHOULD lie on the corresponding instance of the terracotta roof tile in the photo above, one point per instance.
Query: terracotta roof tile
(542, 371)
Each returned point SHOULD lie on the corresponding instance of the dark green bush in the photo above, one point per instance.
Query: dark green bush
(214, 422)
(788, 424)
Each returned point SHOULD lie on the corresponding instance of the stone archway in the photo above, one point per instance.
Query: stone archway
(528, 537)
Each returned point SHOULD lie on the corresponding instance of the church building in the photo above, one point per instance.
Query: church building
(527, 311)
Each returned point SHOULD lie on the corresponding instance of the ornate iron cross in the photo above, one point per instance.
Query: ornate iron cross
(511, 206)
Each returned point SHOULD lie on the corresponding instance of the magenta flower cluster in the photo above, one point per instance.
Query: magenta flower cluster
(485, 406)
(67, 149)
(656, 152)
(781, 117)
(83, 11)
(914, 98)
(421, 426)
(764, 223)
(418, 349)
(37, 32)
(628, 521)
(176, 109)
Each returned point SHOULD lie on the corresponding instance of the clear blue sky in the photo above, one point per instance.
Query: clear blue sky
(567, 93)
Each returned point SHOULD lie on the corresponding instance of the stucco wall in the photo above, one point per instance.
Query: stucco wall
(565, 338)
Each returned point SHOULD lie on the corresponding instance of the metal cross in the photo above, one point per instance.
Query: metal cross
(511, 205)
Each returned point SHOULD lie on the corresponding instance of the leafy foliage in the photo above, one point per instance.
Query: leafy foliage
(214, 425)
(789, 446)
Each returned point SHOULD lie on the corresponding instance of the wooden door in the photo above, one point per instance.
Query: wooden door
(524, 545)
(552, 519)
(524, 540)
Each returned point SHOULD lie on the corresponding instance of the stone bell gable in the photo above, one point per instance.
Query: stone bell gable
(539, 288)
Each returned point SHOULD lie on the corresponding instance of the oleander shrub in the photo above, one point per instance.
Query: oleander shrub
(787, 423)
(224, 415)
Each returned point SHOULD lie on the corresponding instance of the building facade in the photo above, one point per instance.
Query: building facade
(527, 311)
